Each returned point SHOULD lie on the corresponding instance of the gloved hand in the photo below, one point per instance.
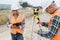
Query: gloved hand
(9, 25)
(38, 22)
(21, 28)
(39, 31)
(43, 33)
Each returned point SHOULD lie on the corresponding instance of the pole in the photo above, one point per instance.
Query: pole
(32, 28)
(39, 25)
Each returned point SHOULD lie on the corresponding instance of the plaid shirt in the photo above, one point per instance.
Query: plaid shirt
(55, 24)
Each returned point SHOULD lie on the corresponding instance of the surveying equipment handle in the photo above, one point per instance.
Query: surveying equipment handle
(38, 21)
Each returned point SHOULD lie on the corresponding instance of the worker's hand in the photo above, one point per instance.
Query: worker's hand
(10, 25)
(38, 31)
(39, 22)
(21, 28)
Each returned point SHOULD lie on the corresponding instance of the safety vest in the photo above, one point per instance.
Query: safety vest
(57, 35)
(15, 30)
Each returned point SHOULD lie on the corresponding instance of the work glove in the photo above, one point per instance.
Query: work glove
(9, 25)
(21, 28)
(39, 31)
(38, 22)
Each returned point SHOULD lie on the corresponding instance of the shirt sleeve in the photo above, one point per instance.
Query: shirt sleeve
(50, 34)
(9, 22)
(53, 29)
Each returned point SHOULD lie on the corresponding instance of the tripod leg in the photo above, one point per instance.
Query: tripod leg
(32, 29)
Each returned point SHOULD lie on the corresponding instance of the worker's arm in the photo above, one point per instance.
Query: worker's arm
(23, 17)
(49, 34)
(23, 21)
(42, 23)
(9, 23)
(53, 29)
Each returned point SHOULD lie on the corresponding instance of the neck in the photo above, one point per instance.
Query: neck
(15, 16)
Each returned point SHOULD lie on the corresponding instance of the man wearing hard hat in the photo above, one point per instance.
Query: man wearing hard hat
(16, 23)
(54, 24)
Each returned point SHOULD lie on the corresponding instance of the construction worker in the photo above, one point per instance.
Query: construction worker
(16, 24)
(54, 24)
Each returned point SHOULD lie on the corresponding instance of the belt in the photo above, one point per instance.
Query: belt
(18, 34)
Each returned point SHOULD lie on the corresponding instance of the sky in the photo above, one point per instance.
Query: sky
(8, 1)
(15, 2)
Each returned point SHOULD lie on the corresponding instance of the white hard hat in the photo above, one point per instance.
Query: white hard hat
(46, 3)
(15, 7)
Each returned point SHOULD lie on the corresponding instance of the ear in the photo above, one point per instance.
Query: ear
(46, 9)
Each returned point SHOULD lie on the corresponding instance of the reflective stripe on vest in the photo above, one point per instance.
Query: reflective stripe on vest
(58, 32)
(21, 17)
(13, 30)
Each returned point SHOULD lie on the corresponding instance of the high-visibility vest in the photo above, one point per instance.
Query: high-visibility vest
(15, 30)
(57, 35)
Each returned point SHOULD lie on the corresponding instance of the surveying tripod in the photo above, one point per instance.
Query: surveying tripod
(35, 16)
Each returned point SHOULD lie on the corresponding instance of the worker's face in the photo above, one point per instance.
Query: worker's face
(51, 9)
(15, 12)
